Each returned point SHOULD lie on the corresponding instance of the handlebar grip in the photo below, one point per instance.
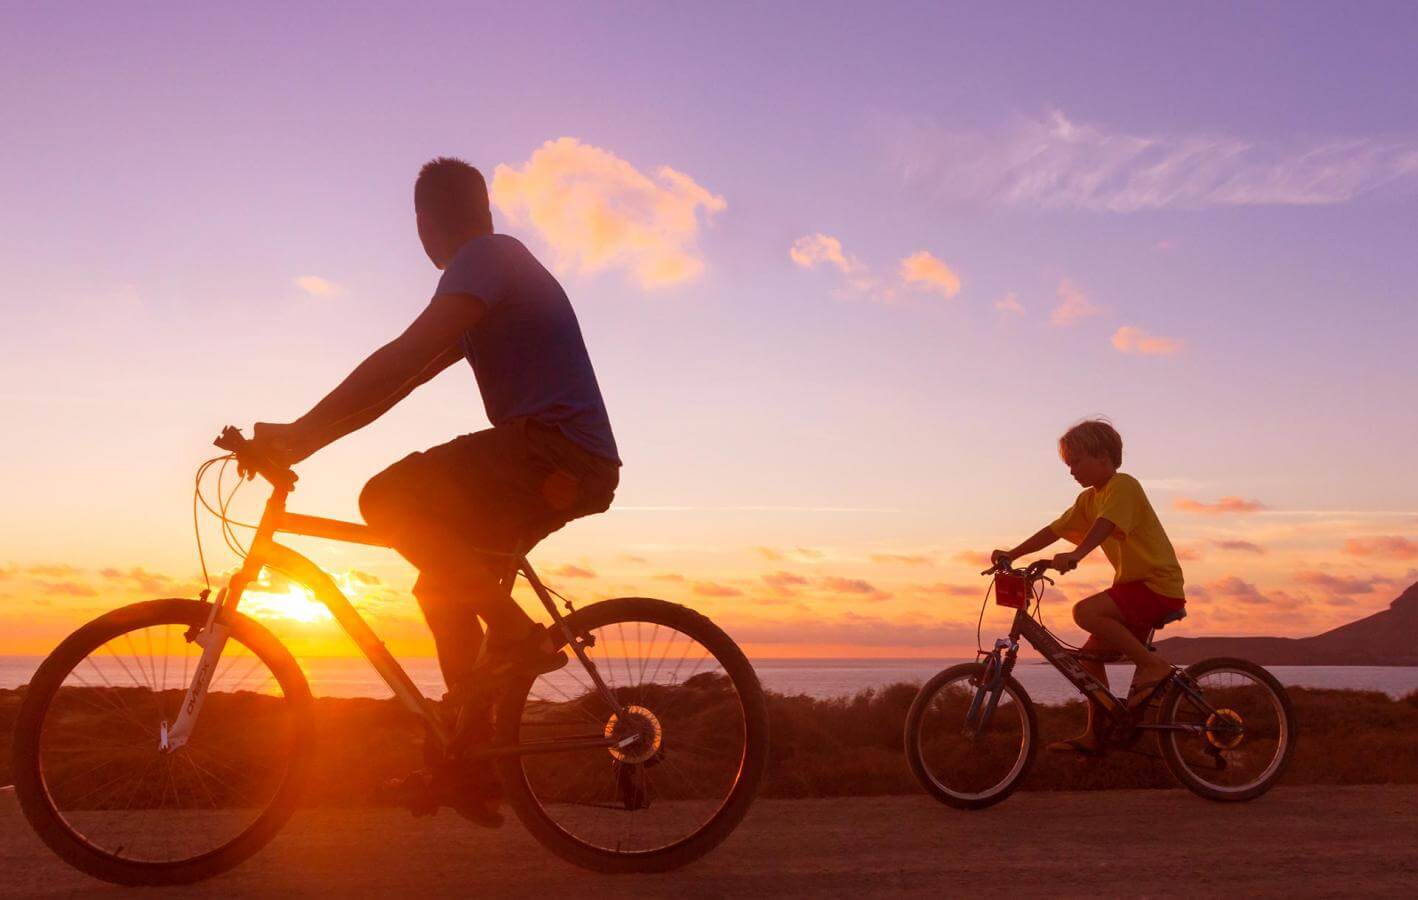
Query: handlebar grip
(232, 440)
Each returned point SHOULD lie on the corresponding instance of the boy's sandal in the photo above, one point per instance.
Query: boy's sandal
(1139, 695)
(1076, 745)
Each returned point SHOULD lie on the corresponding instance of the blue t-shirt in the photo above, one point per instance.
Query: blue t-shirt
(527, 351)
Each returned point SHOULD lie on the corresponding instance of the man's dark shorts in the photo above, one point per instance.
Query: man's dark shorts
(503, 489)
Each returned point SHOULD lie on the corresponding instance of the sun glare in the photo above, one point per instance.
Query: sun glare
(294, 603)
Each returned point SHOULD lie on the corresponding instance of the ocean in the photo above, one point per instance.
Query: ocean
(820, 678)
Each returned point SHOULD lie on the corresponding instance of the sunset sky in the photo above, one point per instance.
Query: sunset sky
(846, 272)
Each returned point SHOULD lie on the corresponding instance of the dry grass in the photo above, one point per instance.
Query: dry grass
(853, 745)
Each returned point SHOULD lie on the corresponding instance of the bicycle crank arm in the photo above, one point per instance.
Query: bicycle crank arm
(560, 745)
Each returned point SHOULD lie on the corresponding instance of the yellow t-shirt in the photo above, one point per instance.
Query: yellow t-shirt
(1138, 548)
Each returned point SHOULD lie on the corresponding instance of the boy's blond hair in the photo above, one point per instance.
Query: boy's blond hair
(1094, 437)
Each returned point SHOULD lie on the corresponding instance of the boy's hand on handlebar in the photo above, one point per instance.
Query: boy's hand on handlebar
(1064, 562)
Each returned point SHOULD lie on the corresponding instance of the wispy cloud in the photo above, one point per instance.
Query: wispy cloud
(1220, 507)
(905, 559)
(572, 571)
(599, 212)
(924, 271)
(1392, 546)
(854, 586)
(1133, 340)
(812, 250)
(1053, 162)
(316, 286)
(714, 589)
(1009, 305)
(1074, 304)
(1239, 546)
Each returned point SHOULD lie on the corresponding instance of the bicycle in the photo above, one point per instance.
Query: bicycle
(139, 776)
(1225, 727)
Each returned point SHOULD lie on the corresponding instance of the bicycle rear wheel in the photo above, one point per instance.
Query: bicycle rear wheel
(1237, 736)
(92, 778)
(695, 727)
(965, 767)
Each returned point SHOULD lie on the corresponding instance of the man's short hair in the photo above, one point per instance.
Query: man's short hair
(453, 193)
(1093, 437)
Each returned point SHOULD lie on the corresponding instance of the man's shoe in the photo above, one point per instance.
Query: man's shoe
(474, 794)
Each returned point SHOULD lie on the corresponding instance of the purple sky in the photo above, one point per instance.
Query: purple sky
(1239, 185)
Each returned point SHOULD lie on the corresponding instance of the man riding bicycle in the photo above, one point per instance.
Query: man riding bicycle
(464, 511)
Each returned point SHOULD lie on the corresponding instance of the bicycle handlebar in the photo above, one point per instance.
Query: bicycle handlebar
(1033, 572)
(250, 460)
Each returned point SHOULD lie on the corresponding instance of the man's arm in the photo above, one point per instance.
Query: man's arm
(389, 374)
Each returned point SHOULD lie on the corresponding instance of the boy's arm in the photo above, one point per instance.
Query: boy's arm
(1038, 541)
(1100, 531)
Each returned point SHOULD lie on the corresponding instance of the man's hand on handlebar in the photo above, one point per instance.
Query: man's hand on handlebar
(285, 445)
(1064, 562)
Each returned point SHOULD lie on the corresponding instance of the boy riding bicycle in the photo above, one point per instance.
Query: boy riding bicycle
(1114, 513)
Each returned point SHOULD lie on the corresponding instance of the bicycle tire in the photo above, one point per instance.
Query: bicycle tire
(34, 798)
(524, 803)
(1168, 741)
(912, 739)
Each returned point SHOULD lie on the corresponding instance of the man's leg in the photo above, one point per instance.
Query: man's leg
(404, 504)
(457, 635)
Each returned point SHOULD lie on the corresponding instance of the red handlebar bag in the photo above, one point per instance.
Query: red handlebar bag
(1012, 590)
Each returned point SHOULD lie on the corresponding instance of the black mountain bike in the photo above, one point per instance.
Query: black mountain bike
(167, 741)
(1225, 727)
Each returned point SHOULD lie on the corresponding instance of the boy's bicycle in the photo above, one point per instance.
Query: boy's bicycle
(1225, 727)
(167, 741)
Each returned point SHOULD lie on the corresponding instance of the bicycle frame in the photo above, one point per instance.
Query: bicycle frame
(265, 552)
(1002, 660)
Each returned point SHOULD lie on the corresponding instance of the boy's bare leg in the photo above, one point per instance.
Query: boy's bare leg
(1089, 739)
(1100, 617)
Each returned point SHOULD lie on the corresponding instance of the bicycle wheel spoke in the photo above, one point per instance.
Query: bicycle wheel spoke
(117, 791)
(681, 749)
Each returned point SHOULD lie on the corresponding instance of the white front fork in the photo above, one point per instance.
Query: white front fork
(212, 640)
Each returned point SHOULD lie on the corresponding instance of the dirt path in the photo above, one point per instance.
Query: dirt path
(1309, 841)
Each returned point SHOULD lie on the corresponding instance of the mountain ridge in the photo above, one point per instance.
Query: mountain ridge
(1389, 637)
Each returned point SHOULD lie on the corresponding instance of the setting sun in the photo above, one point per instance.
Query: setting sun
(292, 602)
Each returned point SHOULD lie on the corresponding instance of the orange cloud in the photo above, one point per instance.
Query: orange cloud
(1009, 303)
(954, 590)
(1233, 588)
(1224, 505)
(570, 571)
(1137, 342)
(1335, 584)
(905, 559)
(852, 586)
(812, 250)
(973, 558)
(710, 589)
(599, 212)
(924, 271)
(316, 286)
(1073, 304)
(1240, 546)
(784, 582)
(1393, 546)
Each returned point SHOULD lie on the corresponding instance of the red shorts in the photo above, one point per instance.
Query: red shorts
(1142, 608)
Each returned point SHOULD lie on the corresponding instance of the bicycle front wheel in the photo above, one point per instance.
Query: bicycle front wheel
(692, 740)
(91, 770)
(1229, 734)
(960, 751)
